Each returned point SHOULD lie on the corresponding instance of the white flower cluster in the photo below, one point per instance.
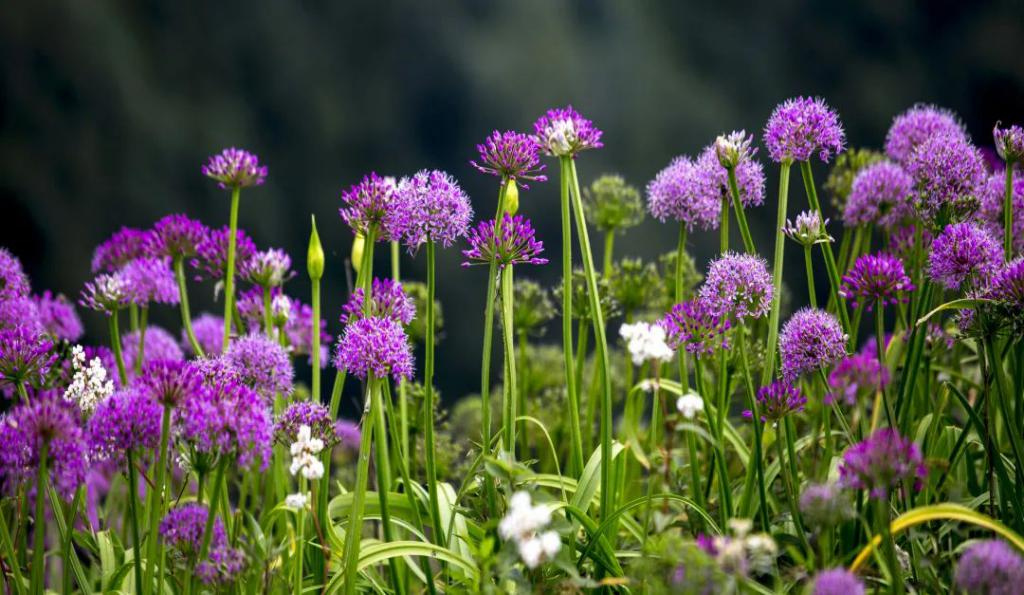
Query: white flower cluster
(646, 342)
(297, 501)
(690, 405)
(304, 451)
(745, 552)
(523, 524)
(281, 309)
(89, 385)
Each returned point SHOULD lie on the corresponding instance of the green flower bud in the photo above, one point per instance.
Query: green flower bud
(315, 254)
(511, 197)
(358, 245)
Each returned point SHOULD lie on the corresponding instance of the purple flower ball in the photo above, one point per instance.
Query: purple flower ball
(150, 280)
(991, 199)
(388, 300)
(697, 327)
(738, 285)
(810, 340)
(686, 193)
(222, 566)
(1009, 142)
(128, 420)
(880, 462)
(209, 331)
(305, 413)
(58, 316)
(429, 207)
(377, 346)
(13, 280)
(513, 243)
(990, 567)
(916, 125)
(801, 126)
(169, 382)
(227, 419)
(1007, 286)
(856, 375)
(21, 312)
(235, 168)
(348, 433)
(947, 169)
(46, 418)
(106, 293)
(510, 155)
(26, 356)
(564, 132)
(881, 194)
(211, 259)
(159, 345)
(876, 279)
(964, 253)
(182, 530)
(267, 268)
(176, 236)
(125, 245)
(837, 581)
(262, 365)
(367, 204)
(299, 330)
(749, 177)
(777, 400)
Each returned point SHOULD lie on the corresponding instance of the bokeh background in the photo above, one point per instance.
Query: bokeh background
(108, 109)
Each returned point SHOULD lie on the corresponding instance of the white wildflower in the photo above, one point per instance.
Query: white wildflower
(89, 386)
(690, 405)
(297, 501)
(646, 342)
(523, 524)
(304, 451)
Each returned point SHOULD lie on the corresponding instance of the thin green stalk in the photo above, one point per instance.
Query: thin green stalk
(428, 402)
(511, 381)
(790, 483)
(186, 315)
(1008, 212)
(723, 236)
(140, 355)
(383, 465)
(755, 416)
(115, 346)
(156, 504)
(315, 346)
(880, 346)
(741, 217)
(684, 375)
(39, 525)
(810, 276)
(403, 398)
(133, 505)
(229, 274)
(300, 539)
(780, 244)
(572, 387)
(888, 546)
(609, 248)
(12, 558)
(215, 496)
(268, 323)
(354, 530)
(724, 494)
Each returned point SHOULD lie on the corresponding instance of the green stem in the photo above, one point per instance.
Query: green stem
(39, 525)
(684, 375)
(300, 538)
(609, 248)
(428, 403)
(229, 274)
(756, 418)
(810, 277)
(354, 530)
(140, 354)
(880, 347)
(403, 400)
(268, 324)
(741, 217)
(791, 483)
(156, 505)
(1008, 212)
(723, 237)
(315, 347)
(215, 496)
(186, 315)
(826, 248)
(888, 546)
(780, 243)
(511, 381)
(133, 505)
(115, 346)
(12, 558)
(572, 387)
(383, 463)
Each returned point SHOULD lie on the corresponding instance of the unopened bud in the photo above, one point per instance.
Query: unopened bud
(511, 197)
(358, 245)
(315, 254)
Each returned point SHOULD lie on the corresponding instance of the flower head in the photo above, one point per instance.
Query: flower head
(564, 132)
(129, 420)
(377, 346)
(13, 280)
(267, 268)
(226, 418)
(646, 342)
(749, 178)
(612, 204)
(158, 345)
(176, 236)
(388, 300)
(1009, 142)
(89, 385)
(777, 400)
(304, 451)
(990, 567)
(106, 293)
(801, 126)
(1007, 286)
(169, 382)
(46, 419)
(524, 525)
(880, 462)
(856, 375)
(305, 413)
(348, 434)
(734, 148)
(876, 279)
(429, 207)
(150, 280)
(840, 178)
(58, 317)
(738, 285)
(367, 204)
(991, 199)
(235, 168)
(513, 243)
(511, 155)
(809, 341)
(209, 331)
(261, 364)
(212, 253)
(687, 193)
(26, 356)
(916, 125)
(182, 530)
(881, 194)
(689, 405)
(697, 326)
(23, 312)
(947, 171)
(825, 504)
(125, 245)
(808, 230)
(964, 253)
(838, 581)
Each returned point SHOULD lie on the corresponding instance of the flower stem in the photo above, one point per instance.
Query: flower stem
(428, 402)
(741, 217)
(780, 239)
(140, 354)
(1008, 213)
(156, 503)
(315, 344)
(39, 525)
(741, 342)
(723, 236)
(888, 546)
(133, 504)
(383, 464)
(215, 496)
(186, 315)
(511, 382)
(11, 555)
(354, 530)
(810, 277)
(403, 400)
(880, 347)
(268, 325)
(300, 538)
(229, 274)
(826, 248)
(115, 346)
(791, 482)
(572, 387)
(607, 255)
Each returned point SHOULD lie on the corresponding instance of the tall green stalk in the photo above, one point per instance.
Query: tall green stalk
(780, 245)
(133, 507)
(755, 451)
(383, 463)
(1008, 212)
(315, 270)
(741, 217)
(229, 274)
(39, 526)
(215, 497)
(572, 386)
(808, 264)
(403, 398)
(156, 502)
(354, 530)
(115, 346)
(428, 403)
(511, 382)
(186, 315)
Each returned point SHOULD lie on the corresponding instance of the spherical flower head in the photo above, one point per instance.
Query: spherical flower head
(169, 382)
(150, 281)
(209, 331)
(129, 420)
(388, 300)
(26, 356)
(1007, 286)
(734, 148)
(564, 132)
(21, 311)
(991, 199)
(738, 285)
(777, 400)
(689, 405)
(106, 293)
(810, 340)
(696, 326)
(948, 172)
(881, 194)
(990, 567)
(1009, 142)
(58, 316)
(612, 204)
(305, 413)
(347, 433)
(226, 419)
(510, 155)
(49, 419)
(856, 375)
(125, 245)
(176, 236)
(211, 260)
(182, 530)
(249, 304)
(367, 204)
(838, 581)
(687, 193)
(916, 125)
(299, 331)
(876, 279)
(267, 268)
(825, 505)
(159, 345)
(801, 126)
(749, 178)
(808, 229)
(13, 280)
(261, 364)
(848, 164)
(880, 462)
(646, 342)
(375, 345)
(513, 243)
(964, 253)
(222, 567)
(429, 207)
(235, 168)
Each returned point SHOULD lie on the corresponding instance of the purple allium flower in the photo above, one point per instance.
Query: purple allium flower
(514, 243)
(299, 330)
(808, 229)
(777, 400)
(367, 204)
(58, 316)
(738, 285)
(734, 148)
(946, 169)
(23, 312)
(261, 364)
(267, 268)
(564, 132)
(169, 382)
(182, 530)
(45, 418)
(876, 279)
(825, 504)
(127, 420)
(511, 155)
(249, 304)
(855, 375)
(348, 433)
(686, 193)
(429, 207)
(150, 280)
(305, 413)
(1007, 286)
(990, 567)
(916, 125)
(809, 341)
(902, 239)
(880, 462)
(13, 281)
(697, 327)
(159, 345)
(26, 356)
(881, 194)
(1009, 142)
(235, 168)
(228, 419)
(991, 198)
(209, 331)
(799, 127)
(749, 178)
(212, 253)
(176, 236)
(837, 581)
(222, 566)
(964, 252)
(375, 346)
(125, 245)
(106, 293)
(389, 300)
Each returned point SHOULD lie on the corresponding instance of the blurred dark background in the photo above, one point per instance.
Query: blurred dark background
(108, 109)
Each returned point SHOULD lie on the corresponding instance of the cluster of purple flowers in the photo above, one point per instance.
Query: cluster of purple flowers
(811, 340)
(512, 155)
(429, 207)
(225, 418)
(882, 194)
(388, 300)
(183, 529)
(777, 400)
(802, 126)
(376, 345)
(698, 327)
(990, 567)
(513, 242)
(964, 253)
(854, 376)
(738, 285)
(876, 280)
(881, 462)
